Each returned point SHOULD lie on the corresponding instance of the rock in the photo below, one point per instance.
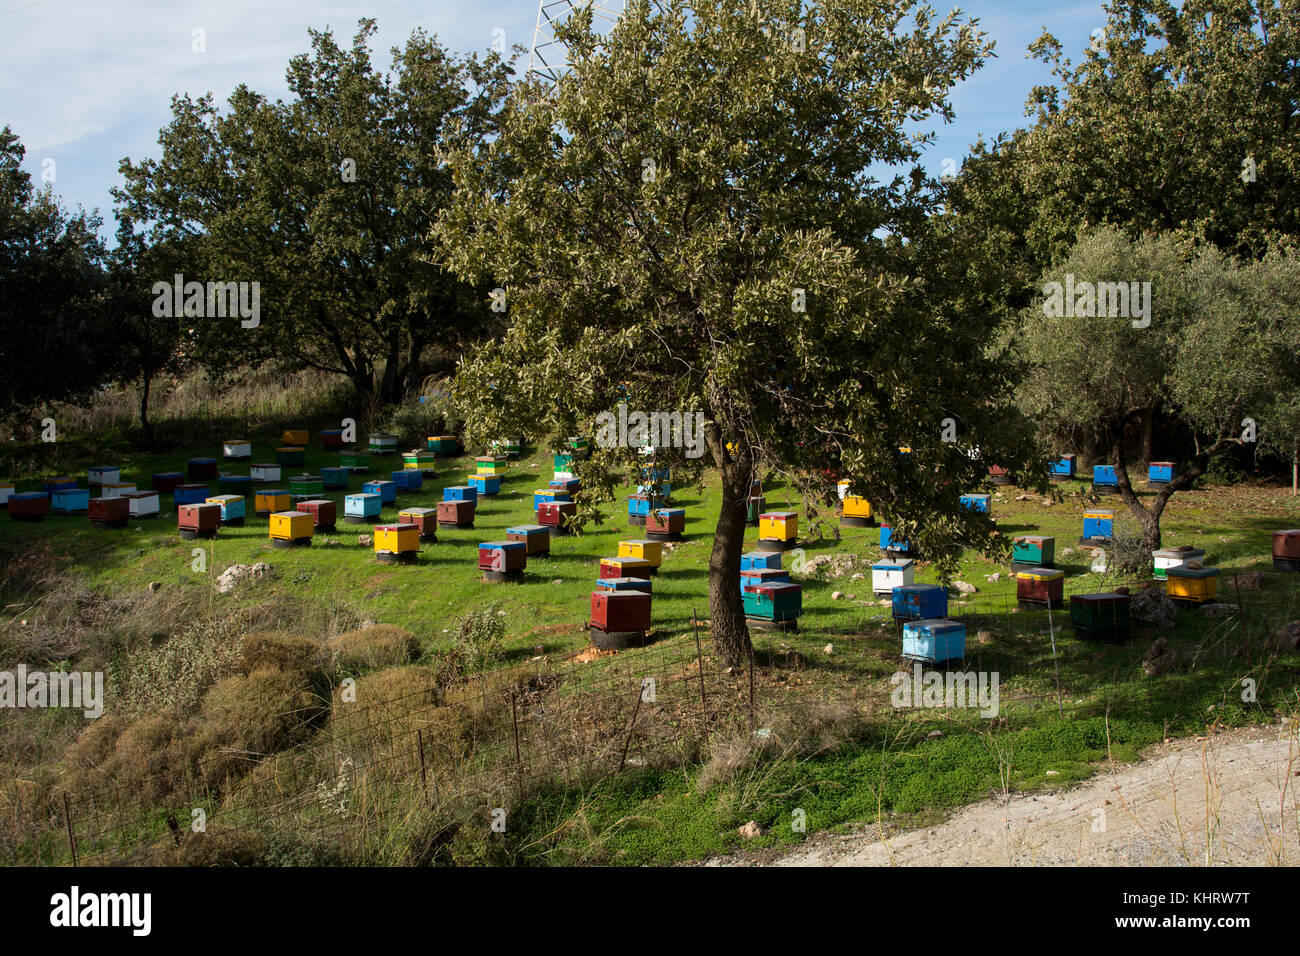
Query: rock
(1153, 607)
(1053, 773)
(850, 597)
(1247, 582)
(558, 581)
(836, 595)
(238, 574)
(1066, 552)
(1218, 610)
(984, 637)
(829, 649)
(1048, 503)
(1288, 636)
(155, 585)
(365, 540)
(751, 830)
(962, 587)
(1023, 497)
(934, 735)
(1158, 659)
(995, 577)
(856, 577)
(886, 602)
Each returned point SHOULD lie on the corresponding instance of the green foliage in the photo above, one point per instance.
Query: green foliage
(172, 676)
(479, 639)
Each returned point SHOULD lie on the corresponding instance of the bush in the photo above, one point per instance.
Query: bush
(174, 675)
(262, 712)
(275, 650)
(416, 420)
(372, 648)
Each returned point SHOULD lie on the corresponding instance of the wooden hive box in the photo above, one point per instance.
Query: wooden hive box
(754, 509)
(335, 479)
(978, 503)
(117, 489)
(1100, 616)
(354, 459)
(112, 512)
(397, 543)
(29, 506)
(425, 461)
(425, 519)
(61, 483)
(237, 449)
(1286, 550)
(997, 475)
(382, 443)
(201, 469)
(1098, 525)
(292, 456)
(291, 529)
(626, 611)
(485, 485)
(385, 489)
(103, 474)
(165, 482)
(579, 446)
(626, 568)
(888, 542)
(763, 576)
(543, 495)
(665, 524)
(190, 494)
(295, 436)
(625, 584)
(774, 601)
(459, 493)
(778, 527)
(1103, 476)
(934, 641)
(891, 573)
(444, 446)
(456, 514)
(407, 480)
(199, 520)
(143, 504)
(919, 602)
(265, 472)
(489, 465)
(1192, 585)
(271, 500)
(6, 490)
(1033, 551)
(324, 514)
(500, 560)
(363, 508)
(67, 501)
(652, 551)
(855, 511)
(234, 509)
(1040, 587)
(638, 509)
(1161, 472)
(1062, 468)
(235, 484)
(536, 538)
(760, 560)
(1166, 558)
(569, 486)
(553, 514)
(331, 439)
(563, 465)
(306, 486)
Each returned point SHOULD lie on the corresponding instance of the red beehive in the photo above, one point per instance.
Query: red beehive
(200, 520)
(201, 469)
(324, 513)
(620, 610)
(1045, 586)
(29, 507)
(551, 513)
(1286, 545)
(666, 521)
(502, 559)
(112, 512)
(455, 514)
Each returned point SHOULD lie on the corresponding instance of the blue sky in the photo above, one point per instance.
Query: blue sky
(87, 82)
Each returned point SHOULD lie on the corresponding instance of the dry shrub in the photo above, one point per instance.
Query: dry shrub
(262, 712)
(372, 648)
(388, 707)
(173, 676)
(276, 650)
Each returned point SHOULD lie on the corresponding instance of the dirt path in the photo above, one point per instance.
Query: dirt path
(1228, 800)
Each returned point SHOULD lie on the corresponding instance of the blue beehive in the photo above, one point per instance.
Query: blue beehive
(368, 504)
(335, 479)
(1161, 472)
(624, 584)
(68, 501)
(485, 484)
(233, 508)
(638, 506)
(1104, 475)
(460, 493)
(386, 490)
(1063, 467)
(541, 497)
(407, 479)
(934, 641)
(889, 543)
(1098, 523)
(976, 502)
(919, 602)
(760, 560)
(762, 576)
(567, 485)
(190, 494)
(663, 489)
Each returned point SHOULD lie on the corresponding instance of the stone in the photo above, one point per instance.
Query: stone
(1158, 658)
(155, 585)
(829, 649)
(963, 588)
(557, 581)
(995, 577)
(365, 540)
(836, 595)
(1218, 610)
(751, 830)
(934, 735)
(238, 574)
(1153, 607)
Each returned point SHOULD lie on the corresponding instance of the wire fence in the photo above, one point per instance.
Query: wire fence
(482, 746)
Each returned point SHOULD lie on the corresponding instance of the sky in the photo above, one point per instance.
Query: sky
(84, 83)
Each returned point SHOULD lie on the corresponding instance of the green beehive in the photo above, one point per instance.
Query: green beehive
(355, 459)
(564, 463)
(309, 485)
(774, 601)
(1033, 550)
(1100, 616)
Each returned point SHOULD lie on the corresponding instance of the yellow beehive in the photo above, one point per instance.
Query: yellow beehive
(397, 538)
(1192, 584)
(291, 525)
(294, 436)
(778, 525)
(652, 551)
(271, 501)
(855, 507)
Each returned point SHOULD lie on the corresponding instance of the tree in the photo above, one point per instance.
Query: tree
(324, 201)
(691, 221)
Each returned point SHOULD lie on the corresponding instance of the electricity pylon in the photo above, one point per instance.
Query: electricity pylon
(549, 57)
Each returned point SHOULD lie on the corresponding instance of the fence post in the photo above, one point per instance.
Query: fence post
(627, 741)
(699, 657)
(67, 819)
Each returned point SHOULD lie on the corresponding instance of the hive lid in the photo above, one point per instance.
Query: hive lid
(502, 545)
(1186, 572)
(892, 564)
(528, 529)
(1040, 574)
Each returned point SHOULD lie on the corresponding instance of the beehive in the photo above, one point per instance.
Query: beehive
(1161, 472)
(1286, 550)
(570, 486)
(382, 443)
(652, 551)
(580, 447)
(117, 489)
(978, 503)
(103, 474)
(1103, 476)
(201, 469)
(294, 436)
(456, 514)
(502, 560)
(424, 519)
(264, 472)
(1098, 524)
(485, 485)
(407, 480)
(363, 508)
(1102, 616)
(354, 459)
(891, 573)
(760, 560)
(335, 479)
(143, 504)
(755, 489)
(855, 511)
(842, 488)
(763, 576)
(306, 486)
(638, 509)
(190, 494)
(68, 501)
(563, 463)
(777, 530)
(6, 489)
(459, 493)
(29, 506)
(1167, 558)
(385, 489)
(890, 543)
(237, 449)
(331, 439)
(291, 456)
(271, 500)
(626, 568)
(620, 612)
(1040, 587)
(775, 601)
(510, 447)
(397, 543)
(1063, 467)
(233, 508)
(235, 484)
(919, 602)
(543, 495)
(624, 584)
(165, 482)
(661, 491)
(934, 641)
(536, 538)
(291, 529)
(50, 485)
(1033, 551)
(443, 445)
(553, 515)
(324, 514)
(489, 465)
(199, 520)
(754, 509)
(665, 524)
(1192, 585)
(422, 461)
(998, 475)
(109, 512)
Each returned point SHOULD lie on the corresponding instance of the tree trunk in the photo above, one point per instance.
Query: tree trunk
(726, 608)
(1148, 433)
(145, 381)
(1090, 452)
